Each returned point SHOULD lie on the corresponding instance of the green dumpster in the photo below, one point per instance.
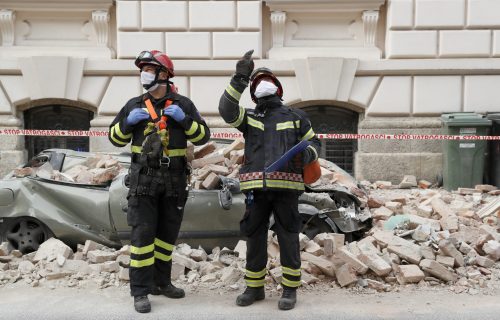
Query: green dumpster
(463, 160)
(494, 151)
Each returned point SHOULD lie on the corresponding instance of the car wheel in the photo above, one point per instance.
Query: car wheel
(314, 225)
(25, 234)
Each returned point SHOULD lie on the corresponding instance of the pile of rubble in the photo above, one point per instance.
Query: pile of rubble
(98, 170)
(210, 161)
(423, 236)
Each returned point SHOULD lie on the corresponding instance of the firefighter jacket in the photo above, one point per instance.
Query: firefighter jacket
(192, 127)
(268, 135)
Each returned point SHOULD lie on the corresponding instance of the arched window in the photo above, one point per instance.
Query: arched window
(331, 119)
(57, 117)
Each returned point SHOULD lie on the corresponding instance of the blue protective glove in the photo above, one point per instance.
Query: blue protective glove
(136, 116)
(175, 112)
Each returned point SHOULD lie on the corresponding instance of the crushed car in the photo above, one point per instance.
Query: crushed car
(77, 196)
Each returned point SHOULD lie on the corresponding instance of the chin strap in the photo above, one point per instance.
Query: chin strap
(156, 81)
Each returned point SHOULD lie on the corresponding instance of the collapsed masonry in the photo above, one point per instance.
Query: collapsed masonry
(420, 235)
(208, 162)
(426, 236)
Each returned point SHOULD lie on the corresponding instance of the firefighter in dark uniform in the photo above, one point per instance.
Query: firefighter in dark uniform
(269, 131)
(158, 124)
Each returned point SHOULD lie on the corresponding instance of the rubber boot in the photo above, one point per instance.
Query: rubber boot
(168, 290)
(141, 304)
(250, 296)
(288, 298)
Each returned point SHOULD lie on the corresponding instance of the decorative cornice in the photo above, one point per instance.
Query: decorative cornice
(100, 20)
(370, 20)
(278, 19)
(324, 5)
(57, 5)
(7, 18)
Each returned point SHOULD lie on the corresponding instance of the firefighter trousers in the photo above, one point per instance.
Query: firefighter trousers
(155, 220)
(287, 224)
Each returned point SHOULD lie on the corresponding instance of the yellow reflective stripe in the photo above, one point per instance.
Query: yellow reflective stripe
(238, 121)
(290, 283)
(233, 92)
(194, 127)
(285, 184)
(252, 274)
(285, 125)
(255, 283)
(315, 152)
(255, 123)
(292, 272)
(176, 152)
(251, 184)
(120, 133)
(142, 250)
(136, 149)
(308, 135)
(164, 245)
(116, 140)
(200, 136)
(162, 256)
(142, 263)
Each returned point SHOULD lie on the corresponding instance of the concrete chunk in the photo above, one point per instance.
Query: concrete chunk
(201, 151)
(4, 249)
(211, 181)
(50, 249)
(230, 276)
(409, 274)
(276, 274)
(185, 261)
(324, 265)
(313, 248)
(351, 259)
(484, 262)
(26, 267)
(492, 248)
(437, 270)
(90, 246)
(446, 261)
(382, 213)
(123, 274)
(449, 249)
(346, 275)
(198, 255)
(99, 256)
(375, 263)
(200, 163)
(405, 249)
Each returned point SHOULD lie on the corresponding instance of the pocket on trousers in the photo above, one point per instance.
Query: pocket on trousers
(132, 211)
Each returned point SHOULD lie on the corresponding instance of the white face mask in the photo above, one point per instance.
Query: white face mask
(146, 79)
(265, 88)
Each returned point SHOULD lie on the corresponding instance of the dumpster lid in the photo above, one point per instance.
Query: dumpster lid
(465, 119)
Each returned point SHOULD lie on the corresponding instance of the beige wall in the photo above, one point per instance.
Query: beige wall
(413, 59)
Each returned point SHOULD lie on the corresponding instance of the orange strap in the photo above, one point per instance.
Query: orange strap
(151, 110)
(160, 123)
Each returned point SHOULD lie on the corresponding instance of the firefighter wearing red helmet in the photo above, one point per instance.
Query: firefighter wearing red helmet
(270, 130)
(158, 125)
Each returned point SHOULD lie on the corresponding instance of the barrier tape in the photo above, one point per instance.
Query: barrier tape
(234, 135)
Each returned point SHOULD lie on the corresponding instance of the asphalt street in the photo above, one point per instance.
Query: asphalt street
(115, 303)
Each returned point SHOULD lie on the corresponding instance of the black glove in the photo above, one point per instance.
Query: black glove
(244, 67)
(307, 156)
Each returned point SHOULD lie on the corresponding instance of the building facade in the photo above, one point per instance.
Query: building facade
(355, 66)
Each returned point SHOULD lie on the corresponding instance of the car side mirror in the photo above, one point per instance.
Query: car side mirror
(225, 198)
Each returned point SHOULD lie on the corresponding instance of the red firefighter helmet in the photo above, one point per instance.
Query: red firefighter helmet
(258, 75)
(157, 58)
